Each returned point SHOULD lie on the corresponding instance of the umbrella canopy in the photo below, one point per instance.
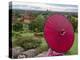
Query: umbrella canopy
(58, 33)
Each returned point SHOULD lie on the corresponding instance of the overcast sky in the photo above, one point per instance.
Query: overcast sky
(44, 6)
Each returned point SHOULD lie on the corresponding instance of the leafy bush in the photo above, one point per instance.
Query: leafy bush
(16, 34)
(26, 42)
(43, 46)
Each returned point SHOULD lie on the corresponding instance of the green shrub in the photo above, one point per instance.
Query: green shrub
(43, 47)
(16, 34)
(26, 42)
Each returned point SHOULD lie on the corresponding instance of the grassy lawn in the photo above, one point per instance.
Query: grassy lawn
(74, 49)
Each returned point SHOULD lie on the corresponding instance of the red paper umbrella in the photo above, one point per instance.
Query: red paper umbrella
(58, 32)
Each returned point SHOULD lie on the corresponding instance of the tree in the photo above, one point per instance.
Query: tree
(37, 24)
(74, 22)
(17, 27)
